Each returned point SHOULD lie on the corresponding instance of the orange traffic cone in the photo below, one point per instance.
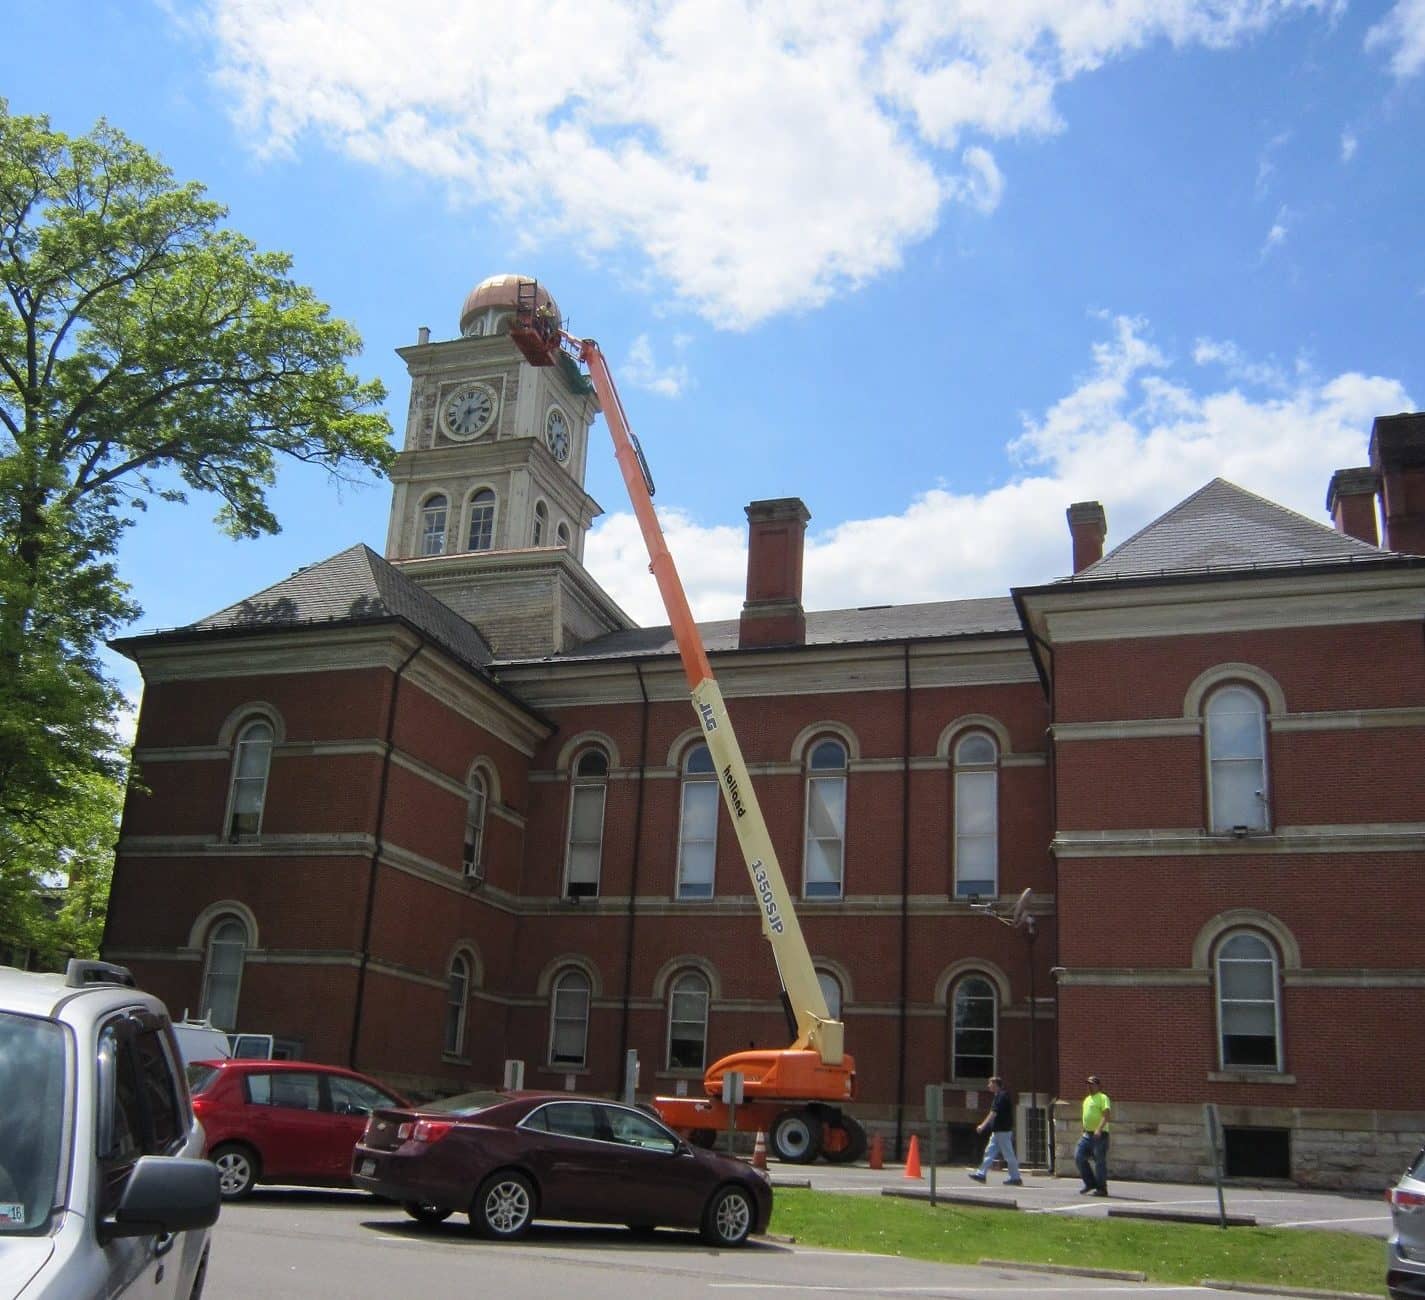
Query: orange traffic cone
(759, 1152)
(878, 1151)
(912, 1160)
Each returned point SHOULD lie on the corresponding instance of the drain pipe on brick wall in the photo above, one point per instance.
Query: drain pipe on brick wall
(905, 903)
(359, 1000)
(634, 868)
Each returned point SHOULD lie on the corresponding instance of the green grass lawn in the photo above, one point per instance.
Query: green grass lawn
(1166, 1252)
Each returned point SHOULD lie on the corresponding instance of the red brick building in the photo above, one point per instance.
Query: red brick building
(426, 813)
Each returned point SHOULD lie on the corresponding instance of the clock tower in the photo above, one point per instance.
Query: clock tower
(488, 508)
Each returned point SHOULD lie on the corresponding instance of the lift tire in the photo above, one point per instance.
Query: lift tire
(844, 1142)
(796, 1137)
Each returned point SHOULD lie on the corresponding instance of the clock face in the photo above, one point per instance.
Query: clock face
(469, 411)
(556, 435)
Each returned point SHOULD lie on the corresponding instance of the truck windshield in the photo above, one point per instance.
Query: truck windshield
(31, 1122)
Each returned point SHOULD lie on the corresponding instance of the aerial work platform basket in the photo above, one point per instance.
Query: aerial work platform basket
(535, 330)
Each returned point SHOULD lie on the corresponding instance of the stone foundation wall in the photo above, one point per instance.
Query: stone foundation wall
(1345, 1150)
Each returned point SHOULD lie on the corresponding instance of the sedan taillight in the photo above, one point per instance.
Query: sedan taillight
(1405, 1200)
(424, 1130)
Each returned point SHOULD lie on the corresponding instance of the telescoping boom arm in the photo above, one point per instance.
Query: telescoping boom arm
(540, 338)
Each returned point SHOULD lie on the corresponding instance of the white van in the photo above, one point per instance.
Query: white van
(199, 1040)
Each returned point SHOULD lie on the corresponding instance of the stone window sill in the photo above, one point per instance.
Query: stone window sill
(1249, 1076)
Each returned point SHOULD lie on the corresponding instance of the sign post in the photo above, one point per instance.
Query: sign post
(630, 1076)
(1214, 1155)
(934, 1113)
(732, 1097)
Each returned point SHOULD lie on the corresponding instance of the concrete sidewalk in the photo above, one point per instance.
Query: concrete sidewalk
(1270, 1205)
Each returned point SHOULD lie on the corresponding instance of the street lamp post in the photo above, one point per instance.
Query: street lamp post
(1020, 919)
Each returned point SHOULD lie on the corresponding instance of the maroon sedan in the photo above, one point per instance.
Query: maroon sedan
(508, 1159)
(282, 1121)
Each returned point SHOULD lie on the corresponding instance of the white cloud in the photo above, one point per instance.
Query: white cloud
(727, 144)
(1276, 236)
(640, 370)
(1402, 31)
(1349, 145)
(1132, 433)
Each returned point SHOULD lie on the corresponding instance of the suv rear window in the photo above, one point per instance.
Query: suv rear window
(1417, 1170)
(31, 1122)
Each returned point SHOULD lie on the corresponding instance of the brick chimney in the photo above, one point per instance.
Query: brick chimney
(1088, 526)
(1398, 456)
(1351, 503)
(772, 613)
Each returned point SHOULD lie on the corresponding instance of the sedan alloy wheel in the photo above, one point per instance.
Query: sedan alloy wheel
(728, 1218)
(504, 1206)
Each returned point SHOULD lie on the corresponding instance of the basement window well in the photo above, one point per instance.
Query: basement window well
(1256, 1152)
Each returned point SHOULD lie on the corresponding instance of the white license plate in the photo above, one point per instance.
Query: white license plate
(368, 1167)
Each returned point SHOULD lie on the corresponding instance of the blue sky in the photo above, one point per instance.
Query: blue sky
(939, 268)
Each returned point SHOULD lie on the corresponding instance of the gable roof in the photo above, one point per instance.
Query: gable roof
(354, 586)
(982, 616)
(1225, 527)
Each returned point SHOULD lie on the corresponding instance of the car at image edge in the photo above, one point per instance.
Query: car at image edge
(1405, 1250)
(290, 1122)
(509, 1159)
(103, 1191)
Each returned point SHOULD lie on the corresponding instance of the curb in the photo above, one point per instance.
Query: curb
(950, 1198)
(790, 1182)
(783, 1239)
(1263, 1288)
(1115, 1274)
(1183, 1216)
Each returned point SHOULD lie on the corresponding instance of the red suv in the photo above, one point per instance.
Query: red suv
(283, 1121)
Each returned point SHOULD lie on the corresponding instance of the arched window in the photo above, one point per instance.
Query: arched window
(586, 824)
(972, 1035)
(569, 1019)
(976, 815)
(482, 521)
(1236, 759)
(688, 1022)
(433, 526)
(825, 854)
(1248, 1002)
(831, 991)
(472, 855)
(541, 523)
(561, 534)
(222, 972)
(457, 1000)
(251, 757)
(697, 830)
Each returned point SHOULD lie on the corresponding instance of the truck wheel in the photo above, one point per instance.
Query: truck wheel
(843, 1143)
(796, 1137)
(703, 1137)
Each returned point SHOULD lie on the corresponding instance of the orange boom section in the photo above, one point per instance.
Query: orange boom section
(795, 1093)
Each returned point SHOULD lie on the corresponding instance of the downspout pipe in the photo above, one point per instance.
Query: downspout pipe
(632, 916)
(359, 1001)
(903, 1017)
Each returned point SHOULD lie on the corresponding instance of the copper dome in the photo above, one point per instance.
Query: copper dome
(499, 291)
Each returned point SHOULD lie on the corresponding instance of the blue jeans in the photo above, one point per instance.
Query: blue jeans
(1003, 1145)
(1095, 1147)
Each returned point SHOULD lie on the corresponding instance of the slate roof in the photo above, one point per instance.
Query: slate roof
(985, 616)
(1225, 527)
(355, 586)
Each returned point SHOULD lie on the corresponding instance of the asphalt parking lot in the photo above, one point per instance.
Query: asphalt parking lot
(1270, 1205)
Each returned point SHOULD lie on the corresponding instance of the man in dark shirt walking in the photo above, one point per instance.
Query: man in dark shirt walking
(999, 1123)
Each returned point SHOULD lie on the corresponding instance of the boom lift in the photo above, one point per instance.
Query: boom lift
(793, 1094)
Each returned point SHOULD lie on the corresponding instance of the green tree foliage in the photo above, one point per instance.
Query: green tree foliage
(55, 869)
(146, 350)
